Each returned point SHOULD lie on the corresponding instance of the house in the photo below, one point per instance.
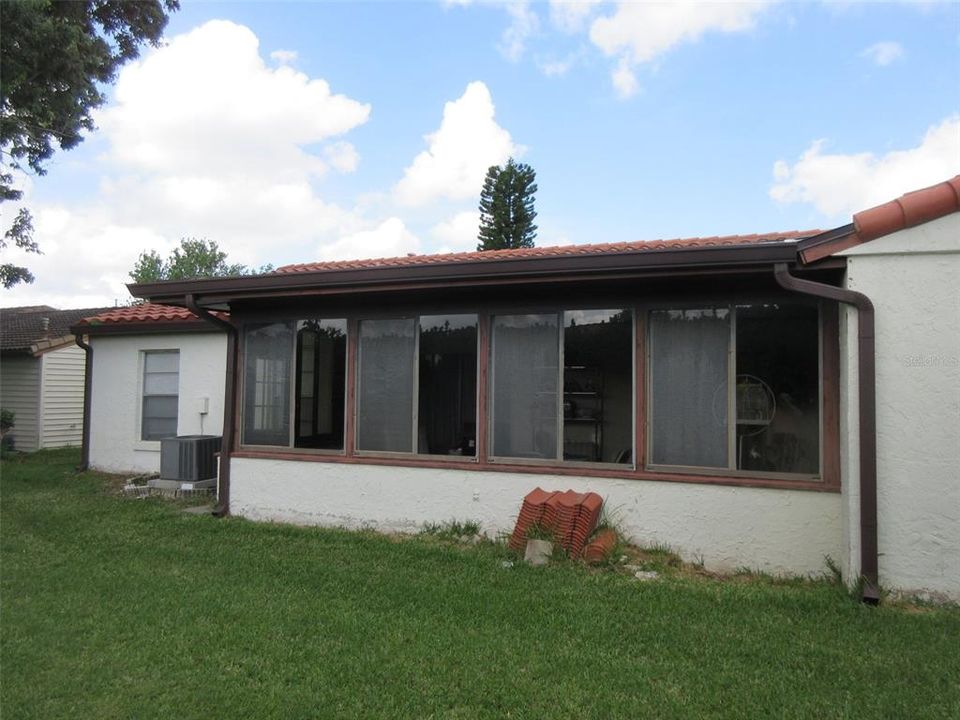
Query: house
(764, 401)
(41, 376)
(156, 372)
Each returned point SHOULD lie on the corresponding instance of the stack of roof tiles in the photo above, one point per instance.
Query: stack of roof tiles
(569, 516)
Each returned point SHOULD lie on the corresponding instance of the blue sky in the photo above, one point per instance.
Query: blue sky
(291, 132)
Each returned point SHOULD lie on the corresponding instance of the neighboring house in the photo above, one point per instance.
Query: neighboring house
(41, 375)
(718, 392)
(156, 372)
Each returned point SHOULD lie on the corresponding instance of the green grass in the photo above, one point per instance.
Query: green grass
(112, 607)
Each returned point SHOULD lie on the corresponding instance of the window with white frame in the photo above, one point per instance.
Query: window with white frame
(161, 392)
(736, 387)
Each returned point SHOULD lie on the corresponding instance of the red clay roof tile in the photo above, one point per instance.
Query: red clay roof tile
(909, 210)
(143, 313)
(553, 251)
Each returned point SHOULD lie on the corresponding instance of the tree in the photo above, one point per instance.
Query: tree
(56, 56)
(506, 207)
(193, 259)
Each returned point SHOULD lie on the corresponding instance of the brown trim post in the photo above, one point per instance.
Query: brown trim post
(229, 403)
(483, 385)
(640, 387)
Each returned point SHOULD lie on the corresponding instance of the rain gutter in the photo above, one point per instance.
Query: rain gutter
(87, 399)
(867, 396)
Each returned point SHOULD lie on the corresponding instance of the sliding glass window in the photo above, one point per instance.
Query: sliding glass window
(321, 383)
(736, 388)
(268, 352)
(562, 386)
(294, 384)
(447, 385)
(418, 385)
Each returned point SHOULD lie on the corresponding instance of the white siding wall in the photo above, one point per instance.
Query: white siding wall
(61, 399)
(777, 531)
(911, 277)
(20, 392)
(115, 443)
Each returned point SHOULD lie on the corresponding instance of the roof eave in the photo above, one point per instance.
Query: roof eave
(720, 257)
(141, 328)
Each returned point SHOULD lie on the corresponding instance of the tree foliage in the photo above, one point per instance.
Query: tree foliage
(56, 56)
(506, 207)
(193, 259)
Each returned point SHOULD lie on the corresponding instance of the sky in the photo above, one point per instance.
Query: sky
(295, 132)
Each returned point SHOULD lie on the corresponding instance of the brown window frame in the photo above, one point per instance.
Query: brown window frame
(828, 480)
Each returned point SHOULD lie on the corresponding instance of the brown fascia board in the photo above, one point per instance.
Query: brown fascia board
(142, 328)
(827, 243)
(724, 257)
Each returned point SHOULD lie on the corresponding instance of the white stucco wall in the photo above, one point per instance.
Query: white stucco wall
(912, 278)
(777, 531)
(115, 444)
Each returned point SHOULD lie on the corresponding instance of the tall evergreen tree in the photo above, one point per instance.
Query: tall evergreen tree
(506, 207)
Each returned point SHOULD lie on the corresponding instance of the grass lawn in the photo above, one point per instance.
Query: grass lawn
(112, 607)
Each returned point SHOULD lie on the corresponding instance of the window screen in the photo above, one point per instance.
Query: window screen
(525, 377)
(321, 377)
(688, 393)
(448, 385)
(267, 359)
(161, 383)
(386, 385)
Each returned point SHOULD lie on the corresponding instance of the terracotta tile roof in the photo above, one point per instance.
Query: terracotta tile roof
(554, 251)
(910, 210)
(143, 313)
(914, 208)
(23, 327)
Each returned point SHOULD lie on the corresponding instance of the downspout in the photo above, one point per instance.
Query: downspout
(867, 396)
(87, 399)
(229, 403)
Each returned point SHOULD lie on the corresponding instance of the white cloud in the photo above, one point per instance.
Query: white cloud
(207, 103)
(466, 144)
(342, 155)
(624, 80)
(638, 32)
(284, 57)
(570, 16)
(524, 22)
(458, 233)
(883, 53)
(840, 185)
(391, 238)
(204, 139)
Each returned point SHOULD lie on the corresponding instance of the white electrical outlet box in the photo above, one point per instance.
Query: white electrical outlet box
(203, 405)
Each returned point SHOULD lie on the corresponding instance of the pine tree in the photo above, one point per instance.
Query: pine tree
(506, 207)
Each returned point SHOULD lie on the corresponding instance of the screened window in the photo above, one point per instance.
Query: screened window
(447, 385)
(267, 359)
(386, 391)
(321, 383)
(562, 386)
(418, 385)
(736, 388)
(161, 389)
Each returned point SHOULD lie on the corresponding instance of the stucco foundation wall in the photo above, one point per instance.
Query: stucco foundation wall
(777, 531)
(115, 444)
(912, 279)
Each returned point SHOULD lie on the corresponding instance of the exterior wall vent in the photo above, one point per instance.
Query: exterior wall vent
(189, 458)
